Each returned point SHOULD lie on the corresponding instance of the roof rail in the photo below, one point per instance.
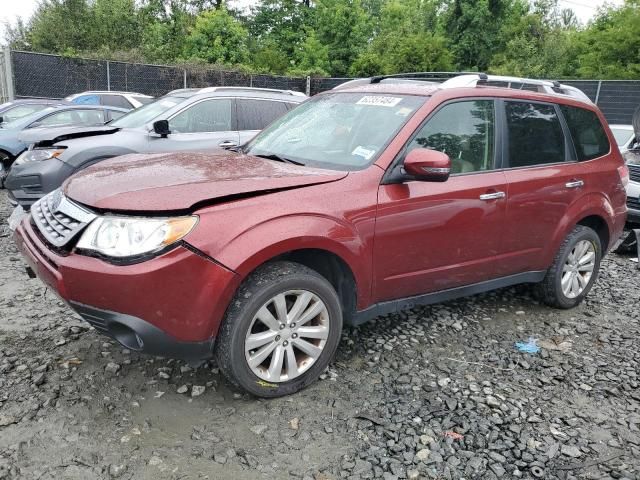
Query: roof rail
(415, 78)
(252, 89)
(542, 86)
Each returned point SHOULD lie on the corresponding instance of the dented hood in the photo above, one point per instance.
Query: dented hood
(47, 136)
(182, 181)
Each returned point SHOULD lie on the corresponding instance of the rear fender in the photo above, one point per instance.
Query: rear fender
(592, 204)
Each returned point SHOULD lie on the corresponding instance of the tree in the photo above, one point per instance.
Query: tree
(344, 27)
(312, 58)
(59, 26)
(165, 28)
(408, 41)
(16, 35)
(473, 29)
(279, 26)
(539, 42)
(610, 46)
(217, 38)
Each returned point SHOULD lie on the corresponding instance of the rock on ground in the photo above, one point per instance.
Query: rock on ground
(438, 392)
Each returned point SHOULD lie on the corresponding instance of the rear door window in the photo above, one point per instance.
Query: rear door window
(257, 114)
(115, 101)
(143, 100)
(535, 135)
(589, 138)
(87, 100)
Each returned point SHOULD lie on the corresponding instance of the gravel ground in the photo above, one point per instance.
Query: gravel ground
(438, 392)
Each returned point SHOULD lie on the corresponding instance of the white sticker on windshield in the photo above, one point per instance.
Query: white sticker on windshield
(363, 152)
(379, 101)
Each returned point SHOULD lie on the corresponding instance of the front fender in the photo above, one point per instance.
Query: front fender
(86, 157)
(250, 248)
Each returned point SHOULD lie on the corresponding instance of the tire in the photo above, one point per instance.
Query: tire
(551, 289)
(260, 291)
(5, 164)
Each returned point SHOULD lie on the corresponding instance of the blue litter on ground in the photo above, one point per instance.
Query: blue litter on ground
(528, 347)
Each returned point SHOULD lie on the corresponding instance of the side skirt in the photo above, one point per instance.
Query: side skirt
(393, 306)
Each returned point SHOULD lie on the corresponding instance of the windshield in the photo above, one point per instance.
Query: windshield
(24, 121)
(622, 136)
(143, 115)
(342, 131)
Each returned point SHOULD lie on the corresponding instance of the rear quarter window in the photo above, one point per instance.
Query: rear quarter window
(589, 137)
(115, 101)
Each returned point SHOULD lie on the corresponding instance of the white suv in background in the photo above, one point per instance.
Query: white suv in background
(127, 100)
(625, 136)
(632, 157)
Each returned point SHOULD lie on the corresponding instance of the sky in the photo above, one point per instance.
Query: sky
(11, 10)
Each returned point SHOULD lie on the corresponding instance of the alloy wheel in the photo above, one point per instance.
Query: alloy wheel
(578, 269)
(287, 335)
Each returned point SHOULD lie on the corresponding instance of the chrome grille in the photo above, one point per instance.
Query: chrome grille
(633, 203)
(59, 219)
(634, 173)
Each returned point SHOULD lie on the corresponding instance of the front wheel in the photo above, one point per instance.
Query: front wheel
(280, 331)
(574, 270)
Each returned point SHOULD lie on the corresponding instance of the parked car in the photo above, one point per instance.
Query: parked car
(16, 109)
(633, 189)
(204, 119)
(632, 157)
(128, 100)
(624, 135)
(358, 203)
(13, 140)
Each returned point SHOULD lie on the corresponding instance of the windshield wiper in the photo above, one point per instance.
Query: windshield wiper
(278, 158)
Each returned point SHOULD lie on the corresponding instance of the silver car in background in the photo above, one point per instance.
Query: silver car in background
(183, 120)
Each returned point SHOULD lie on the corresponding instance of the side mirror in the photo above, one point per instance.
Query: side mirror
(1, 120)
(428, 165)
(161, 127)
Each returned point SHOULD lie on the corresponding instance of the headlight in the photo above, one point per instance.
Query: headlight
(121, 237)
(38, 155)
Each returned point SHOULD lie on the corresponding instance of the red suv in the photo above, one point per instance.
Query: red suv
(380, 195)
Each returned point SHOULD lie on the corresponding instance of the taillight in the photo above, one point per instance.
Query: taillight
(623, 171)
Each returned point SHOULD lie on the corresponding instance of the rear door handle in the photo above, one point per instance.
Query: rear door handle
(227, 144)
(574, 184)
(492, 196)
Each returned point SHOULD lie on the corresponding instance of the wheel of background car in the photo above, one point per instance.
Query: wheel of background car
(281, 330)
(574, 270)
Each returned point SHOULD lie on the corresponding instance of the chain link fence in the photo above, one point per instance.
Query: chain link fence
(28, 74)
(42, 75)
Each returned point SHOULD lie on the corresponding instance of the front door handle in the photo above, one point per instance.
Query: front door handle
(574, 184)
(227, 144)
(492, 196)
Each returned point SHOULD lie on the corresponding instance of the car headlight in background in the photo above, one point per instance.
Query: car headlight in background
(38, 155)
(121, 237)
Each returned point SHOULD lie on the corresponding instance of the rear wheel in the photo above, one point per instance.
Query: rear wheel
(574, 271)
(281, 330)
